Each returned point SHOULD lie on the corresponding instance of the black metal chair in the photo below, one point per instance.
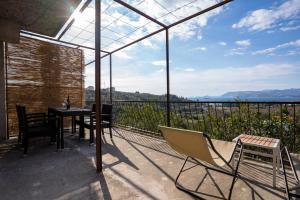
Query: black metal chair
(76, 120)
(90, 121)
(35, 125)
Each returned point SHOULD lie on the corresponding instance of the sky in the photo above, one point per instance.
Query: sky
(245, 45)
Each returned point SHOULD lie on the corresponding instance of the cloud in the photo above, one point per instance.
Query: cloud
(212, 82)
(159, 63)
(271, 50)
(243, 43)
(189, 70)
(290, 28)
(199, 49)
(122, 55)
(236, 51)
(293, 53)
(149, 43)
(222, 43)
(241, 50)
(263, 19)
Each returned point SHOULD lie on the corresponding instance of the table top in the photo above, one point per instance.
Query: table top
(258, 141)
(71, 111)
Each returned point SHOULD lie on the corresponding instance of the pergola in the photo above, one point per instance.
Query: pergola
(108, 41)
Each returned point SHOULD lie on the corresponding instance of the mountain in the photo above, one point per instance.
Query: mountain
(128, 96)
(263, 95)
(287, 93)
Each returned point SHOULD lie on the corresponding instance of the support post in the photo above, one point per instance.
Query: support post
(98, 84)
(3, 128)
(110, 78)
(168, 78)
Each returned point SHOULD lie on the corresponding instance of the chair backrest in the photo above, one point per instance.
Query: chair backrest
(21, 113)
(107, 112)
(190, 143)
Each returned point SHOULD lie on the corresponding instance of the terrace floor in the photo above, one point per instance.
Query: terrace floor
(135, 167)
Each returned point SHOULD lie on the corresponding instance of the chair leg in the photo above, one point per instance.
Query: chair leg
(292, 164)
(102, 130)
(181, 171)
(91, 135)
(285, 178)
(110, 132)
(235, 173)
(25, 144)
(73, 125)
(52, 138)
(19, 137)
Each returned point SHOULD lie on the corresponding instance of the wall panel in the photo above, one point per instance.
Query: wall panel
(42, 75)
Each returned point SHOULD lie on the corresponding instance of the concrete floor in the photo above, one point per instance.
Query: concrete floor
(135, 167)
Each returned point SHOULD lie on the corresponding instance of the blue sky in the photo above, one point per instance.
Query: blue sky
(246, 45)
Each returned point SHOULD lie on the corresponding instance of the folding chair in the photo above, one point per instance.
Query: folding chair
(203, 150)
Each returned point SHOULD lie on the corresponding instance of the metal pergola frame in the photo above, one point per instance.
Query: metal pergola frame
(98, 56)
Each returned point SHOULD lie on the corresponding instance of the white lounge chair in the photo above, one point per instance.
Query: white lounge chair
(203, 150)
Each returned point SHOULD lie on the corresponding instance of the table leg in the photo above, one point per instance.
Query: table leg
(73, 125)
(81, 129)
(278, 160)
(62, 131)
(58, 135)
(274, 166)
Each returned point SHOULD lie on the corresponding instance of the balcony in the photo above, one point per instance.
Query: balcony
(135, 166)
(43, 57)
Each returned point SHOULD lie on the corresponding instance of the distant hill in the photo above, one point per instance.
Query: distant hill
(287, 93)
(263, 95)
(128, 96)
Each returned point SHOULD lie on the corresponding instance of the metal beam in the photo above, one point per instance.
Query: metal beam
(66, 29)
(98, 84)
(200, 13)
(89, 63)
(168, 78)
(174, 24)
(56, 40)
(140, 13)
(85, 5)
(110, 79)
(136, 41)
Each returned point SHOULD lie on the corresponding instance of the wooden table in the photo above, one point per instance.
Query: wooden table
(63, 112)
(266, 143)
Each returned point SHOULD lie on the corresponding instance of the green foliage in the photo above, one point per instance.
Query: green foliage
(219, 121)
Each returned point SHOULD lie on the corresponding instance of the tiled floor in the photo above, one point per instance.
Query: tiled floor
(134, 167)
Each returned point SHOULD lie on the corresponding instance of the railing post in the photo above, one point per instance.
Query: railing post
(98, 83)
(168, 77)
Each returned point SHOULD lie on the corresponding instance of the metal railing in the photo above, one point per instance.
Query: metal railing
(221, 120)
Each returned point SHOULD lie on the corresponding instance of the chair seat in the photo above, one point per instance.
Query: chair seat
(224, 148)
(86, 119)
(38, 131)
